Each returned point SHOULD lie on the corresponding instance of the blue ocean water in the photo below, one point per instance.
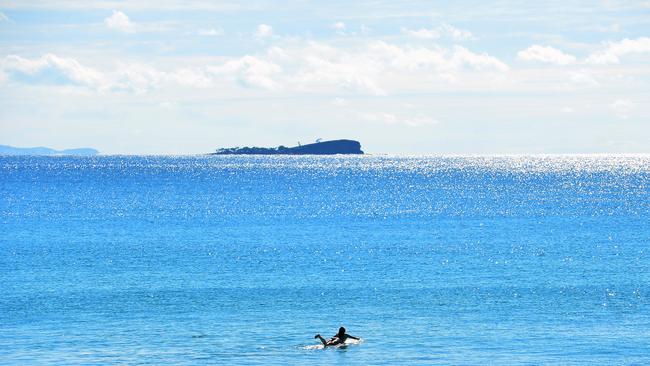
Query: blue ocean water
(241, 260)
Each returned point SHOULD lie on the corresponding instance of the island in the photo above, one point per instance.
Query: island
(45, 151)
(331, 147)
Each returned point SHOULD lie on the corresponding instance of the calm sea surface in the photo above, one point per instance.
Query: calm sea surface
(241, 260)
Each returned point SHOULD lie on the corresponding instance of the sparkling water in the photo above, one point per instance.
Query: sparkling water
(241, 260)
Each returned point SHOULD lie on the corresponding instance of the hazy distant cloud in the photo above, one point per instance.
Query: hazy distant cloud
(613, 28)
(583, 77)
(137, 78)
(614, 50)
(420, 120)
(264, 31)
(339, 26)
(340, 102)
(443, 30)
(168, 104)
(622, 108)
(546, 54)
(207, 5)
(193, 77)
(120, 22)
(416, 120)
(387, 118)
(3, 17)
(213, 32)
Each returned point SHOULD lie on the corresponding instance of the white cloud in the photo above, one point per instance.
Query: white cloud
(250, 71)
(456, 33)
(444, 29)
(264, 31)
(213, 32)
(52, 68)
(422, 33)
(622, 108)
(546, 54)
(477, 61)
(120, 22)
(614, 50)
(3, 17)
(435, 58)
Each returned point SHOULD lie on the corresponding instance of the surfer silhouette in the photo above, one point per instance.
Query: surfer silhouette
(339, 338)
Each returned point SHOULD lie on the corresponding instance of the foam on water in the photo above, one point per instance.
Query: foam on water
(349, 342)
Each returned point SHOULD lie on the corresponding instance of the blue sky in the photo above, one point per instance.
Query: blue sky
(403, 77)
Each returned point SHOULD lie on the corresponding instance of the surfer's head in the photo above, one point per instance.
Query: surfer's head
(341, 331)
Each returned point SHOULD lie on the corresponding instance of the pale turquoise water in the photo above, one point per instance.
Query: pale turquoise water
(241, 260)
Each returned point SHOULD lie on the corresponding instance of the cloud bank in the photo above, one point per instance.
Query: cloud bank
(377, 68)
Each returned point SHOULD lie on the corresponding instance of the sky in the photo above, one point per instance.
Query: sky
(402, 77)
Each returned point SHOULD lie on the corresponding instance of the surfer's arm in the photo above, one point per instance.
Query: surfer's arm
(353, 337)
(334, 341)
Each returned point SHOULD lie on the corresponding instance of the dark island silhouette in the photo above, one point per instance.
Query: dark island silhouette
(318, 148)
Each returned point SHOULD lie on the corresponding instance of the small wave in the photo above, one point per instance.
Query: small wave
(349, 342)
(313, 346)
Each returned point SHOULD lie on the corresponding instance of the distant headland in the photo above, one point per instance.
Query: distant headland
(318, 148)
(10, 150)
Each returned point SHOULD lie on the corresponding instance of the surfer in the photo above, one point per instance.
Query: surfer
(339, 338)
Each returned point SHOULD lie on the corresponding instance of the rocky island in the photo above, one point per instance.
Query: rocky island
(318, 148)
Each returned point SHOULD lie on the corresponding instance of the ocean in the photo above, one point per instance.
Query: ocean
(241, 260)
